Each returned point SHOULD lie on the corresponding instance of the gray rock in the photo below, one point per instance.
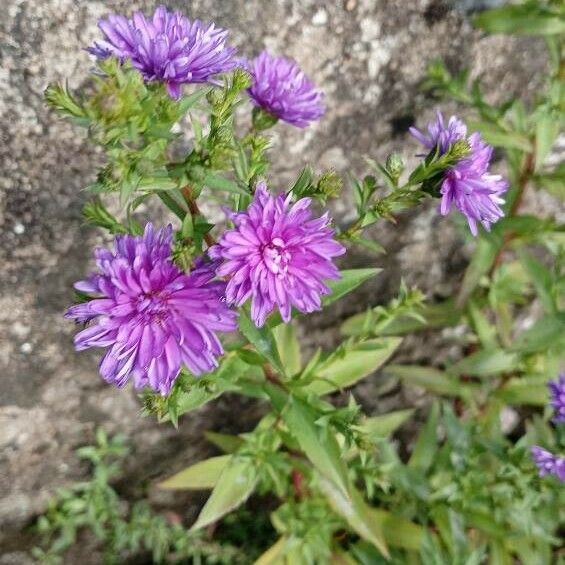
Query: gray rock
(369, 57)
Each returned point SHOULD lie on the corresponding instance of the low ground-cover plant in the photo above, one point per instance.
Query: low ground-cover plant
(190, 311)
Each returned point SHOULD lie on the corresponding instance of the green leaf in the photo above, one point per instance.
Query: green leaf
(530, 391)
(235, 484)
(546, 333)
(187, 226)
(218, 182)
(262, 339)
(426, 446)
(288, 348)
(443, 314)
(151, 184)
(357, 513)
(346, 370)
(385, 424)
(201, 475)
(274, 555)
(319, 445)
(187, 102)
(542, 280)
(494, 134)
(431, 379)
(528, 19)
(547, 129)
(350, 280)
(553, 182)
(223, 379)
(486, 362)
(226, 442)
(398, 531)
(483, 258)
(486, 332)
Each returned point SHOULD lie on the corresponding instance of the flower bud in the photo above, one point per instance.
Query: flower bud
(241, 79)
(330, 184)
(262, 119)
(394, 165)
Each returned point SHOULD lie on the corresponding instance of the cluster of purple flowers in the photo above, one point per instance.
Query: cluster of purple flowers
(546, 462)
(468, 185)
(174, 50)
(154, 319)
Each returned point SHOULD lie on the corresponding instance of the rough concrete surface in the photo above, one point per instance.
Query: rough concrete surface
(368, 55)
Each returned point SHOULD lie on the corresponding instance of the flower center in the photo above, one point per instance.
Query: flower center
(276, 257)
(153, 305)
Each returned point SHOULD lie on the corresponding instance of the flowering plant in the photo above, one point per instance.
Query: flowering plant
(188, 310)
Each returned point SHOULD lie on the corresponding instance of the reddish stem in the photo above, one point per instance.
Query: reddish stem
(195, 211)
(523, 178)
(298, 483)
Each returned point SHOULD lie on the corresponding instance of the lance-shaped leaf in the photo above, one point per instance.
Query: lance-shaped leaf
(218, 182)
(356, 512)
(398, 531)
(201, 475)
(350, 280)
(234, 486)
(226, 442)
(221, 380)
(483, 258)
(426, 445)
(288, 348)
(355, 364)
(432, 379)
(274, 555)
(385, 424)
(530, 18)
(485, 363)
(530, 391)
(262, 339)
(432, 316)
(319, 445)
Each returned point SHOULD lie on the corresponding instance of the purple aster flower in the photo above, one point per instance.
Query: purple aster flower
(557, 393)
(467, 184)
(282, 89)
(168, 47)
(277, 255)
(152, 317)
(547, 463)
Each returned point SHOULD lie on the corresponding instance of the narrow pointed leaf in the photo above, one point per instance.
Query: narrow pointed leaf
(426, 445)
(288, 348)
(319, 445)
(385, 424)
(357, 513)
(354, 365)
(350, 280)
(234, 486)
(262, 339)
(201, 475)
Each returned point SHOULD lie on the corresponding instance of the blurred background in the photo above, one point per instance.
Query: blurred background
(369, 56)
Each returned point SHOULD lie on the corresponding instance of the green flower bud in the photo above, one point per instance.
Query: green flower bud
(262, 119)
(330, 184)
(394, 165)
(459, 149)
(241, 79)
